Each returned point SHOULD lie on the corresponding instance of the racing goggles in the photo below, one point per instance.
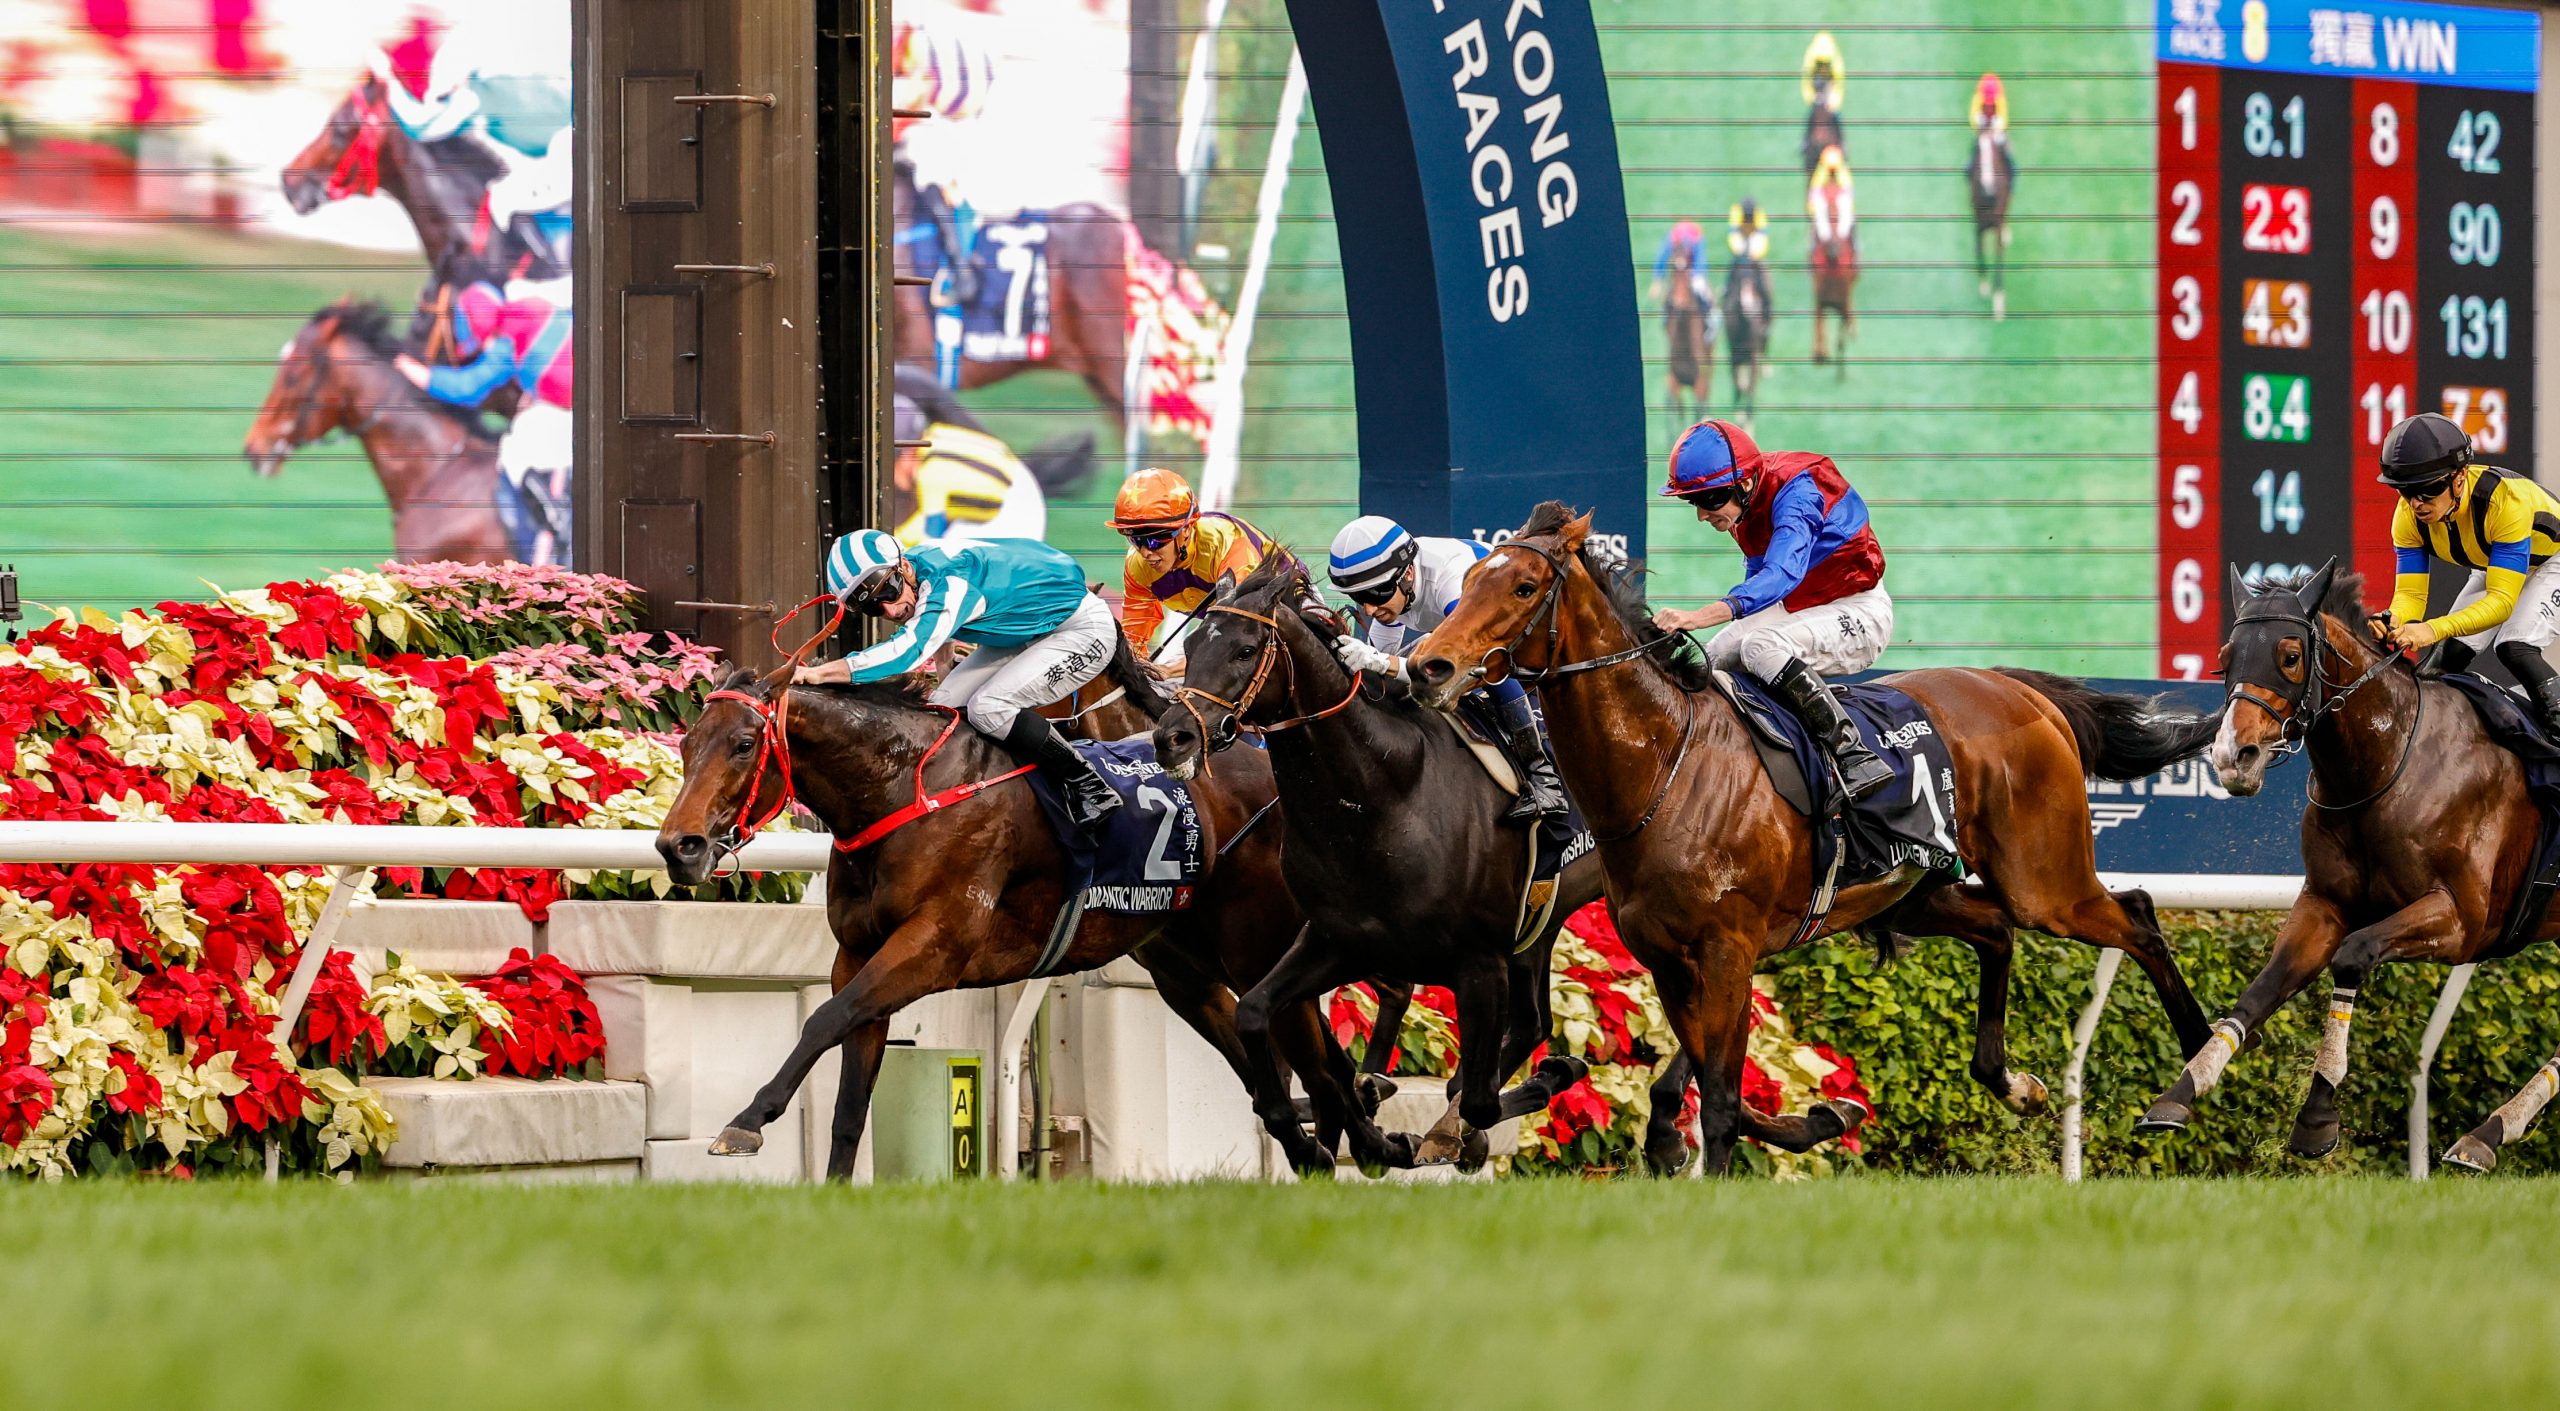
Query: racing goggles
(1714, 497)
(1153, 537)
(870, 596)
(2428, 491)
(1376, 595)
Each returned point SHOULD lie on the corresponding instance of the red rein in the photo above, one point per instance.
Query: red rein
(774, 745)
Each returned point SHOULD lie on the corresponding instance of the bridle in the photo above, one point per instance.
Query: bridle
(1270, 654)
(2315, 698)
(359, 168)
(773, 751)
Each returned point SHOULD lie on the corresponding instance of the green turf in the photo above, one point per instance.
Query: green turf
(2333, 1294)
(131, 365)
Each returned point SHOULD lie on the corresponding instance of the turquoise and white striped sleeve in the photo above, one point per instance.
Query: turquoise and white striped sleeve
(944, 607)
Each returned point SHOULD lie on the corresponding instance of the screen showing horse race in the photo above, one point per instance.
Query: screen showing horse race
(2346, 238)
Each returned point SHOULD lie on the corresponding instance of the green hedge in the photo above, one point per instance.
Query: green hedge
(1909, 1025)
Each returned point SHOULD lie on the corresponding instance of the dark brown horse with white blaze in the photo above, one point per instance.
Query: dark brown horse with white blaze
(2416, 842)
(1709, 871)
(1396, 850)
(963, 897)
(438, 469)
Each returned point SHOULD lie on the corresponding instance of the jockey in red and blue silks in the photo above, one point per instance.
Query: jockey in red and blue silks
(1812, 599)
(520, 336)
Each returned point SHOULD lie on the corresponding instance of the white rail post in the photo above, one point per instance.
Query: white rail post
(2083, 1036)
(343, 882)
(1005, 1117)
(2447, 1000)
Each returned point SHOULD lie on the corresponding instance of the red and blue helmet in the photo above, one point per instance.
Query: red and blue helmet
(1710, 456)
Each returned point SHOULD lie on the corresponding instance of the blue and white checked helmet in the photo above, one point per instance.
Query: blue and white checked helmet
(859, 560)
(1369, 555)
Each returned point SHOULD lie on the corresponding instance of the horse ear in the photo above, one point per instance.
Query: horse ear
(2315, 591)
(2241, 592)
(1575, 531)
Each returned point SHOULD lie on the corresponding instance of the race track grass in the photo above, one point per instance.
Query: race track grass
(1955, 1293)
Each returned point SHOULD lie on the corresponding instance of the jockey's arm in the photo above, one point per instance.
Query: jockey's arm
(1848, 211)
(2510, 539)
(944, 606)
(469, 384)
(2409, 581)
(1141, 612)
(1795, 520)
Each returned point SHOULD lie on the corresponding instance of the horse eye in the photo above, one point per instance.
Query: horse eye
(1521, 590)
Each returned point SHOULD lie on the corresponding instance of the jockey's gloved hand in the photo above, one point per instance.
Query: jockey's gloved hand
(1360, 656)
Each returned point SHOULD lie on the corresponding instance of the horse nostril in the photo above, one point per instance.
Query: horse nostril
(691, 846)
(1434, 670)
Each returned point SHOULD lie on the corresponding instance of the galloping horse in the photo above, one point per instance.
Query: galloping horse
(444, 186)
(1684, 333)
(438, 469)
(1991, 176)
(1088, 303)
(1396, 848)
(1709, 871)
(924, 899)
(1834, 258)
(1747, 316)
(2399, 863)
(1821, 125)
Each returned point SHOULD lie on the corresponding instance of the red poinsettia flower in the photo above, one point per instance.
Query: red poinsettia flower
(229, 645)
(1761, 1092)
(26, 1094)
(141, 1091)
(183, 1000)
(275, 1094)
(1577, 1109)
(323, 621)
(335, 1024)
(104, 653)
(556, 1027)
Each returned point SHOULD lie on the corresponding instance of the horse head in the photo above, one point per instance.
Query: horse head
(2298, 647)
(302, 404)
(1237, 671)
(1507, 619)
(735, 777)
(345, 159)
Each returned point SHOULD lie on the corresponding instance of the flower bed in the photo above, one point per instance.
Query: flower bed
(1607, 1012)
(138, 1003)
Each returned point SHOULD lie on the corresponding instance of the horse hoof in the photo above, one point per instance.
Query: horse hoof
(2313, 1141)
(2026, 1095)
(2165, 1116)
(1375, 1088)
(1439, 1148)
(1561, 1071)
(737, 1141)
(1474, 1150)
(1304, 1109)
(1669, 1159)
(1852, 1113)
(2472, 1154)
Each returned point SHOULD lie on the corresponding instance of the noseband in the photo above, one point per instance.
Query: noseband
(1548, 603)
(2314, 699)
(1271, 652)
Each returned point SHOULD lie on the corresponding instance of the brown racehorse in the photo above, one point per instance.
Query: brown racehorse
(1692, 362)
(1709, 871)
(2399, 863)
(1835, 287)
(1088, 303)
(439, 472)
(1991, 177)
(965, 896)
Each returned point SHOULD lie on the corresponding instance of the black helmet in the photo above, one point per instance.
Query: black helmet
(2425, 449)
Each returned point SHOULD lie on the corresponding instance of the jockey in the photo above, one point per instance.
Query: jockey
(1824, 80)
(1684, 238)
(942, 68)
(1990, 116)
(1039, 635)
(520, 336)
(1405, 586)
(1176, 553)
(963, 484)
(1832, 201)
(2501, 526)
(1813, 601)
(1747, 237)
(513, 106)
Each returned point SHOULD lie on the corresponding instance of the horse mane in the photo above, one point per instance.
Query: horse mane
(369, 323)
(1623, 588)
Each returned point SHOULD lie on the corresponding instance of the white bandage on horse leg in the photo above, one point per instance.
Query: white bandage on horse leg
(2520, 1110)
(2333, 1038)
(2206, 1067)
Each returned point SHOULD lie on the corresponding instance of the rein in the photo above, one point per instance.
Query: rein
(1236, 708)
(773, 748)
(359, 169)
(2318, 699)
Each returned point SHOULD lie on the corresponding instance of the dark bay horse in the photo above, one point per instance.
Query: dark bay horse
(1991, 176)
(444, 186)
(1692, 362)
(965, 896)
(2416, 842)
(1747, 317)
(1821, 125)
(1088, 304)
(1709, 871)
(1396, 850)
(1835, 288)
(438, 468)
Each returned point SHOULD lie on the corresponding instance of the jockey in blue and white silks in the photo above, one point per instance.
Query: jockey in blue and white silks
(1023, 605)
(1405, 587)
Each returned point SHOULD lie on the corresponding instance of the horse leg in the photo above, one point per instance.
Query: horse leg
(853, 1097)
(1981, 258)
(1968, 914)
(2429, 928)
(2308, 939)
(1309, 969)
(2478, 1150)
(1532, 1024)
(1394, 998)
(905, 969)
(1717, 1032)
(2000, 273)
(2054, 888)
(1666, 1148)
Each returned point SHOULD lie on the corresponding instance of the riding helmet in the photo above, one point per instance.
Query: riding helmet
(2423, 450)
(1370, 552)
(856, 562)
(1154, 499)
(1709, 455)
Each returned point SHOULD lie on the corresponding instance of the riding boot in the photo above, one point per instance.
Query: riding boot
(946, 231)
(1861, 773)
(1541, 790)
(2534, 672)
(1089, 798)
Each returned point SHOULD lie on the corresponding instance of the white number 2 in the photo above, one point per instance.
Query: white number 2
(1160, 867)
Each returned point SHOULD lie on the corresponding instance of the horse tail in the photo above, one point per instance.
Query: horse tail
(1132, 676)
(2120, 736)
(1062, 467)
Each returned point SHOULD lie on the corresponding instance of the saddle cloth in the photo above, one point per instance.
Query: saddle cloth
(1909, 822)
(1009, 320)
(2512, 725)
(1146, 857)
